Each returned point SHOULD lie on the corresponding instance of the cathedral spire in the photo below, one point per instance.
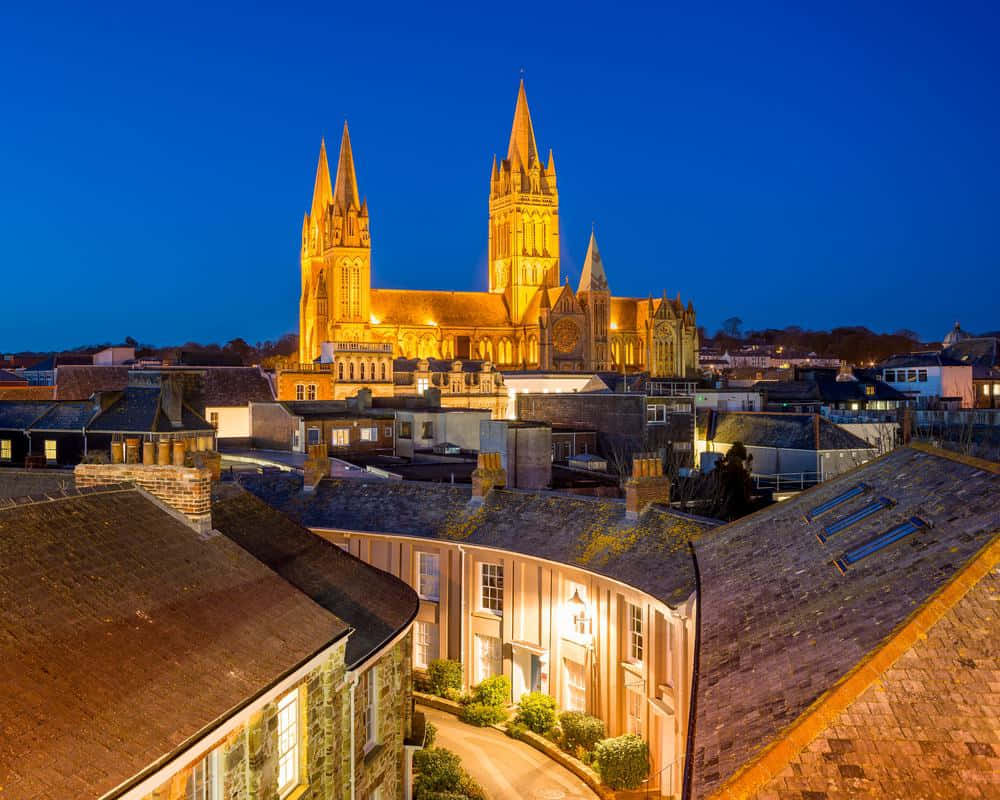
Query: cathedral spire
(593, 278)
(322, 193)
(522, 150)
(345, 191)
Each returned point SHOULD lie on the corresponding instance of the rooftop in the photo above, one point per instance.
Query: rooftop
(767, 429)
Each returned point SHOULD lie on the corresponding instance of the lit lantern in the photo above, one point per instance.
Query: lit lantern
(578, 610)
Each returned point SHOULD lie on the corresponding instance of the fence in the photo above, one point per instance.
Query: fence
(787, 481)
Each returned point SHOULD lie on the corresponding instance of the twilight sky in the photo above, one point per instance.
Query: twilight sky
(811, 164)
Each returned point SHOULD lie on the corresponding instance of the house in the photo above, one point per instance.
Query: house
(930, 378)
(223, 397)
(782, 444)
(983, 355)
(424, 426)
(208, 643)
(725, 399)
(347, 427)
(524, 448)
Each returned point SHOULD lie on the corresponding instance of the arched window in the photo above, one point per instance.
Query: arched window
(362, 370)
(383, 370)
(373, 371)
(533, 350)
(340, 370)
(350, 370)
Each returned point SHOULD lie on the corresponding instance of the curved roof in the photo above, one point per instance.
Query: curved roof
(956, 334)
(439, 308)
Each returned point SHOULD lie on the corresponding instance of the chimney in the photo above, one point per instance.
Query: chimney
(487, 475)
(364, 399)
(172, 398)
(316, 468)
(187, 491)
(647, 485)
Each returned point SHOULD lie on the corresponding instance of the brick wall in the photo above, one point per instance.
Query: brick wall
(187, 490)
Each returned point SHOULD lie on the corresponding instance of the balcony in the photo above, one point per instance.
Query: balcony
(360, 347)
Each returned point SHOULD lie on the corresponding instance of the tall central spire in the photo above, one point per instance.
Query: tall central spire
(522, 149)
(322, 193)
(345, 190)
(593, 278)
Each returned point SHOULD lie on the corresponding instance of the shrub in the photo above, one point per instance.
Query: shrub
(514, 730)
(456, 696)
(439, 770)
(537, 711)
(622, 762)
(430, 734)
(481, 714)
(580, 730)
(444, 674)
(493, 691)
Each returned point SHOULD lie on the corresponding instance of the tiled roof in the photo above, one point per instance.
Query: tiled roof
(589, 533)
(780, 625)
(19, 392)
(920, 360)
(66, 416)
(40, 483)
(983, 353)
(17, 415)
(11, 378)
(124, 633)
(234, 386)
(376, 605)
(137, 410)
(765, 429)
(75, 382)
(445, 309)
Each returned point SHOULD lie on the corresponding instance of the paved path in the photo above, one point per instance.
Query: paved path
(506, 768)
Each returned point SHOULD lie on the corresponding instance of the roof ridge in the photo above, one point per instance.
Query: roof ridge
(969, 461)
(9, 503)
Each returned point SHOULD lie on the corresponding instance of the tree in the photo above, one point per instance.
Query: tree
(732, 485)
(733, 327)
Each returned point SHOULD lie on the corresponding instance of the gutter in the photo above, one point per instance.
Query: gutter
(687, 778)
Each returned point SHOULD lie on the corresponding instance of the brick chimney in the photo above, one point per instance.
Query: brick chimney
(186, 490)
(647, 485)
(487, 475)
(317, 466)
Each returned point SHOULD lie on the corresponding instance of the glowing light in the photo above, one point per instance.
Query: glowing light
(614, 326)
(431, 322)
(374, 320)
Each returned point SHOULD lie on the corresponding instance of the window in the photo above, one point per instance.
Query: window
(428, 575)
(635, 638)
(373, 370)
(205, 780)
(213, 418)
(922, 375)
(425, 643)
(656, 413)
(383, 371)
(491, 588)
(892, 535)
(350, 371)
(362, 370)
(50, 449)
(369, 434)
(890, 376)
(300, 391)
(836, 501)
(369, 720)
(5, 450)
(313, 436)
(388, 431)
(575, 686)
(846, 522)
(340, 437)
(428, 430)
(633, 710)
(489, 659)
(340, 370)
(870, 389)
(311, 391)
(289, 742)
(405, 430)
(422, 385)
(911, 376)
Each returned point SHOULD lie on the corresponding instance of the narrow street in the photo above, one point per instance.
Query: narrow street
(506, 768)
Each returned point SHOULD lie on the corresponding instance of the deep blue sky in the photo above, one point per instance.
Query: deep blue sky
(788, 165)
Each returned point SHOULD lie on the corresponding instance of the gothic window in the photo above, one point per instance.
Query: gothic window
(383, 371)
(362, 370)
(373, 371)
(355, 292)
(616, 350)
(340, 370)
(533, 350)
(350, 370)
(629, 352)
(345, 288)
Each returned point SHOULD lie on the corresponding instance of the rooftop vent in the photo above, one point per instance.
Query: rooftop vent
(901, 531)
(846, 522)
(829, 505)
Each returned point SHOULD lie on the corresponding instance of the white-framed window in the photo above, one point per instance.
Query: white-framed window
(289, 742)
(633, 712)
(422, 385)
(369, 434)
(205, 780)
(50, 449)
(369, 719)
(300, 391)
(489, 657)
(574, 686)
(491, 588)
(6, 450)
(429, 575)
(313, 436)
(425, 643)
(388, 431)
(340, 437)
(656, 413)
(311, 391)
(635, 637)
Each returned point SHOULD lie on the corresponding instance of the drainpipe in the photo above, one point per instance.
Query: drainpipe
(461, 610)
(354, 686)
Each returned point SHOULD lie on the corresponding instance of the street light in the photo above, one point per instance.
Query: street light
(578, 609)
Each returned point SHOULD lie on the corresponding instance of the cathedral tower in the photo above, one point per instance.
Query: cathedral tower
(336, 258)
(524, 218)
(595, 297)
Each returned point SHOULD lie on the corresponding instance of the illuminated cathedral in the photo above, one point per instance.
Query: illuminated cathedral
(528, 319)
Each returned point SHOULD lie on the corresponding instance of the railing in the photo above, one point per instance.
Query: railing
(787, 481)
(653, 785)
(362, 347)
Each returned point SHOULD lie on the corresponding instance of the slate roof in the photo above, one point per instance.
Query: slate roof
(17, 415)
(124, 633)
(11, 378)
(437, 364)
(66, 416)
(590, 533)
(234, 386)
(445, 309)
(330, 409)
(780, 625)
(38, 483)
(137, 410)
(767, 429)
(920, 360)
(834, 391)
(790, 391)
(75, 382)
(375, 604)
(983, 353)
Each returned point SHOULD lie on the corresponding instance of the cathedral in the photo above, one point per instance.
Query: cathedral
(528, 319)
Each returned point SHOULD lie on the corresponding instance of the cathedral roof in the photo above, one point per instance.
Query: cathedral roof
(446, 309)
(522, 149)
(624, 313)
(345, 189)
(593, 278)
(537, 302)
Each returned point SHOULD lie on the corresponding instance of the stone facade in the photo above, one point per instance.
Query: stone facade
(527, 319)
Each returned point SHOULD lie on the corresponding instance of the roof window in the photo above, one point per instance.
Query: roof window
(829, 505)
(892, 535)
(851, 519)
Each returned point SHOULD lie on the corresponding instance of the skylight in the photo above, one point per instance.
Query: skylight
(846, 522)
(836, 501)
(901, 531)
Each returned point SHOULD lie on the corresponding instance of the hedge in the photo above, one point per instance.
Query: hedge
(444, 674)
(481, 714)
(493, 691)
(622, 762)
(580, 730)
(440, 776)
(537, 711)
